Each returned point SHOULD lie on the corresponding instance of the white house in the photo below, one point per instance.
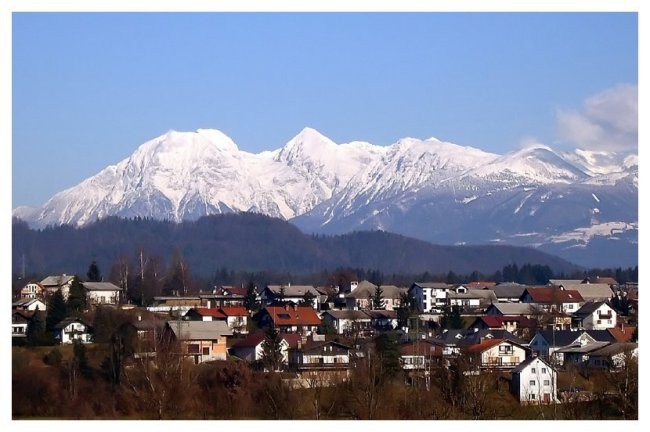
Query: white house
(594, 316)
(29, 304)
(102, 292)
(471, 299)
(250, 348)
(289, 293)
(53, 283)
(497, 353)
(32, 290)
(19, 322)
(70, 329)
(347, 320)
(614, 355)
(430, 296)
(534, 381)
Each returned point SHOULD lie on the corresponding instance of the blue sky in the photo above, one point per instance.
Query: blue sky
(89, 88)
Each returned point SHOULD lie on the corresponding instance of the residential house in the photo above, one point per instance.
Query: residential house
(251, 347)
(290, 318)
(508, 292)
(553, 299)
(102, 293)
(236, 317)
(226, 296)
(546, 343)
(594, 316)
(515, 324)
(383, 320)
(143, 336)
(420, 354)
(578, 355)
(363, 294)
(346, 321)
(290, 294)
(205, 314)
(534, 381)
(179, 305)
(200, 340)
(29, 304)
(480, 285)
(19, 321)
(32, 290)
(527, 310)
(72, 328)
(53, 283)
(430, 296)
(451, 341)
(496, 353)
(472, 299)
(591, 292)
(623, 332)
(613, 356)
(475, 336)
(607, 280)
(317, 356)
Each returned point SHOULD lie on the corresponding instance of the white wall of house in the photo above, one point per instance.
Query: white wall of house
(31, 290)
(602, 318)
(74, 330)
(19, 329)
(537, 382)
(505, 354)
(238, 323)
(103, 297)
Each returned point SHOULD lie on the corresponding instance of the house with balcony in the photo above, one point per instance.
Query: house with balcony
(421, 354)
(32, 290)
(348, 321)
(250, 348)
(317, 356)
(430, 296)
(102, 293)
(200, 340)
(553, 299)
(471, 299)
(362, 294)
(290, 319)
(29, 304)
(594, 316)
(71, 329)
(236, 318)
(290, 294)
(534, 381)
(547, 343)
(496, 354)
(52, 284)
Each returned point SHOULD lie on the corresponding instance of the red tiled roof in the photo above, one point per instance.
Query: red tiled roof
(522, 321)
(213, 312)
(423, 347)
(492, 321)
(288, 316)
(232, 290)
(605, 280)
(549, 295)
(485, 345)
(624, 334)
(234, 310)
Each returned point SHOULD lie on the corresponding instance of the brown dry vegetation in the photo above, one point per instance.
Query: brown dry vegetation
(232, 390)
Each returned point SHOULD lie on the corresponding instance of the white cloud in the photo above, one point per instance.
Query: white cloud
(607, 121)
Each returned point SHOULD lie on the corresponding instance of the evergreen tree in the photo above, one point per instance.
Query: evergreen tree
(388, 350)
(452, 278)
(56, 311)
(77, 299)
(272, 350)
(378, 298)
(93, 274)
(36, 333)
(308, 299)
(451, 318)
(408, 308)
(250, 300)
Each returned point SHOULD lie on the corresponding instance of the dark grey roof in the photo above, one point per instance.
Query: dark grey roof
(348, 314)
(514, 308)
(615, 348)
(378, 314)
(591, 292)
(450, 337)
(508, 290)
(588, 308)
(474, 337)
(584, 349)
(57, 280)
(528, 361)
(567, 337)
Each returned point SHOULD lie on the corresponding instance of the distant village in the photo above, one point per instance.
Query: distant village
(540, 345)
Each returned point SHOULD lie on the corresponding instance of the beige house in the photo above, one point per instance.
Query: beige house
(53, 283)
(201, 340)
(497, 353)
(102, 292)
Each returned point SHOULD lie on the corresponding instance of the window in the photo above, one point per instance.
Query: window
(532, 396)
(505, 349)
(193, 348)
(543, 370)
(532, 383)
(532, 370)
(206, 350)
(609, 321)
(570, 305)
(547, 382)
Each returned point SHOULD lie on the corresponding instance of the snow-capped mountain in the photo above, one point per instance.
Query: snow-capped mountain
(428, 189)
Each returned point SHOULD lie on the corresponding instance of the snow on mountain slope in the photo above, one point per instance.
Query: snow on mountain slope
(429, 189)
